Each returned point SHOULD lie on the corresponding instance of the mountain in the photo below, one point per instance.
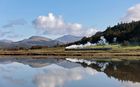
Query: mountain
(39, 62)
(28, 43)
(37, 41)
(4, 44)
(6, 41)
(37, 38)
(68, 38)
(123, 32)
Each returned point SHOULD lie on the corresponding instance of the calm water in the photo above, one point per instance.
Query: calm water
(17, 72)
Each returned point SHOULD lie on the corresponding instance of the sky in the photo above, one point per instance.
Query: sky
(20, 19)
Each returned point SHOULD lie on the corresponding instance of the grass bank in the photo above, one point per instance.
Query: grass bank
(116, 52)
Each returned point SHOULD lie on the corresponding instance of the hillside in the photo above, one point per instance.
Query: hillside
(28, 43)
(123, 32)
(68, 38)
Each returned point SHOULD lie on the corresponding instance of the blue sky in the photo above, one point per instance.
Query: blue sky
(84, 14)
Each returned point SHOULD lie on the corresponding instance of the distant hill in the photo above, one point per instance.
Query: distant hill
(28, 43)
(68, 38)
(37, 41)
(6, 41)
(129, 32)
(38, 38)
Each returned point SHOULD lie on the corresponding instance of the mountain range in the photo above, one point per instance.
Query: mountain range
(38, 41)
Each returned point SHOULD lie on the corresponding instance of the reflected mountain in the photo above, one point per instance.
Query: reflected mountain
(121, 70)
(38, 62)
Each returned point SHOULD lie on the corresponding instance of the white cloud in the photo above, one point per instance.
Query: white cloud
(130, 84)
(57, 76)
(4, 33)
(14, 23)
(133, 14)
(14, 36)
(13, 80)
(55, 25)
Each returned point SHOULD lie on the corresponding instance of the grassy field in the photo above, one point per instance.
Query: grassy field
(116, 52)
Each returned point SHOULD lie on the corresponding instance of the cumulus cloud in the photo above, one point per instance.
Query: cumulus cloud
(52, 24)
(14, 23)
(133, 14)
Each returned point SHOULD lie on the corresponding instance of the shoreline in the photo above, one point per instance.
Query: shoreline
(60, 52)
(119, 58)
(105, 56)
(74, 53)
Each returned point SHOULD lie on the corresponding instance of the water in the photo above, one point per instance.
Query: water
(31, 72)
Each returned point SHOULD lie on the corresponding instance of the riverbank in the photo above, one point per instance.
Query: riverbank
(122, 52)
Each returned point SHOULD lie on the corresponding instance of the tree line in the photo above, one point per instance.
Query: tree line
(123, 32)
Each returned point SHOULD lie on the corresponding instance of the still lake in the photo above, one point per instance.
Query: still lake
(51, 72)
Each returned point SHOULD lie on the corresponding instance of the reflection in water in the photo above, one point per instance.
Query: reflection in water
(56, 76)
(124, 70)
(68, 73)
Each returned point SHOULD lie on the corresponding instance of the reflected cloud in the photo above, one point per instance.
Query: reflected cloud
(130, 84)
(12, 80)
(11, 67)
(57, 76)
(2, 69)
